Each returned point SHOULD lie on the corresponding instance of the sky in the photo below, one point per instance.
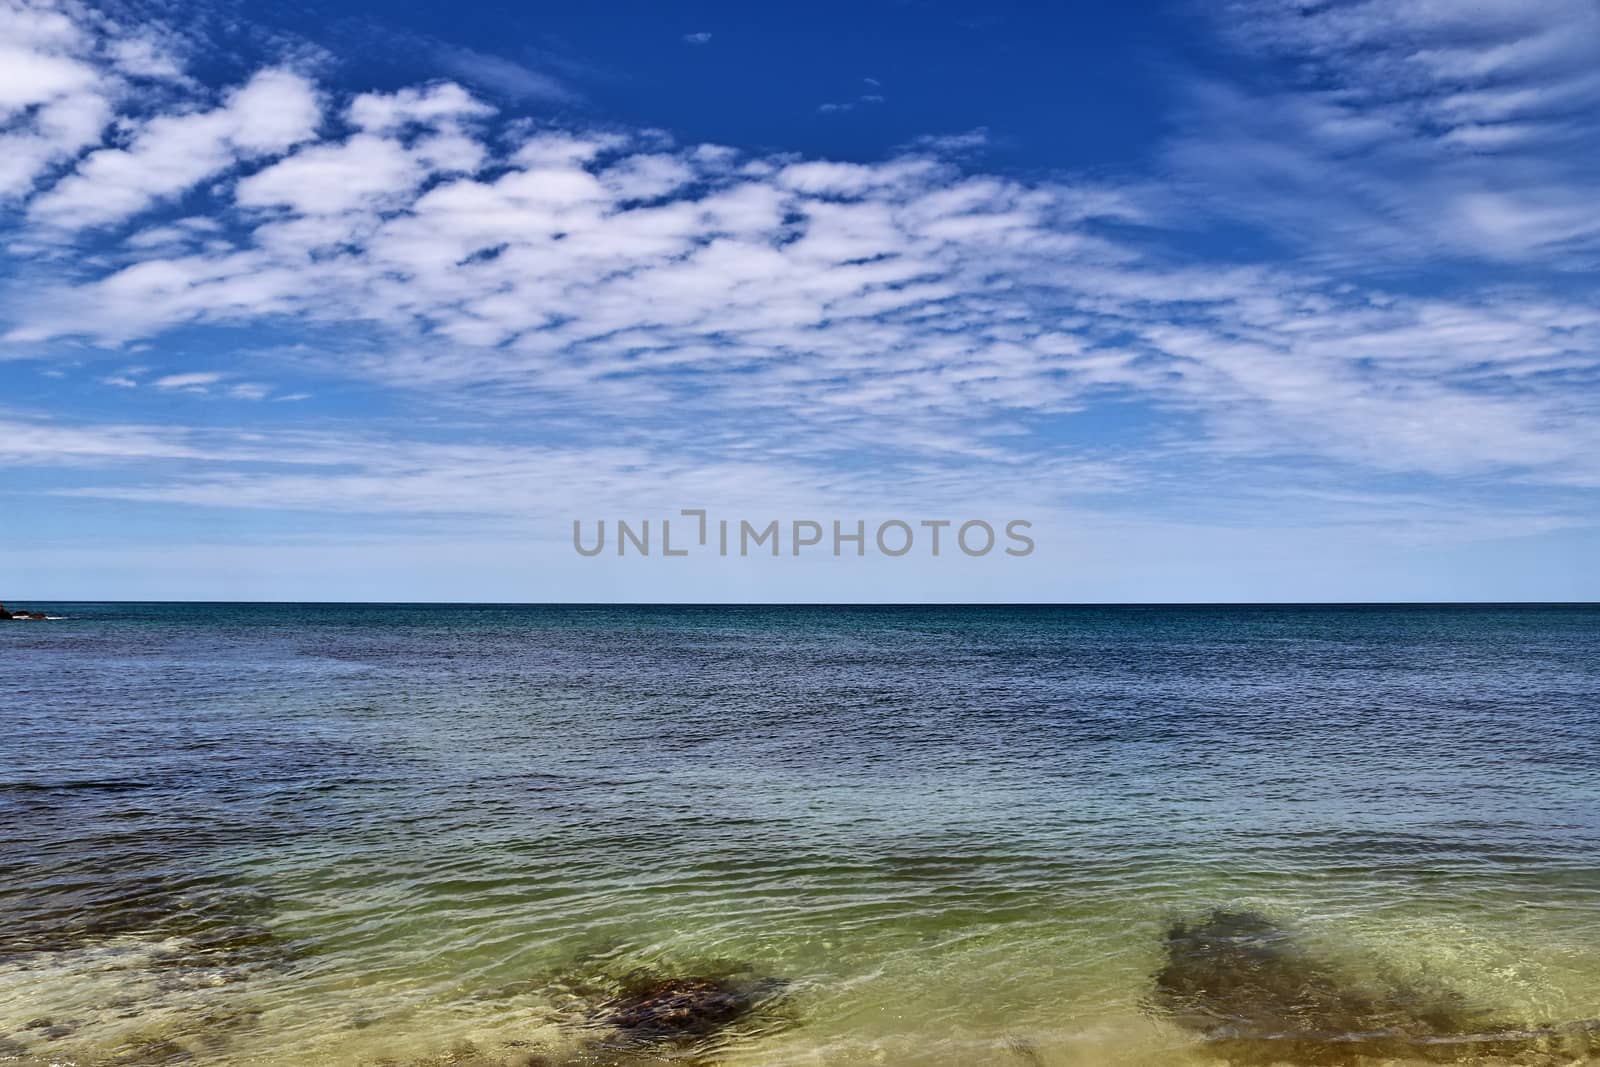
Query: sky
(1248, 301)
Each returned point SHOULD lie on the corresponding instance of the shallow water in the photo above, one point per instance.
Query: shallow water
(352, 835)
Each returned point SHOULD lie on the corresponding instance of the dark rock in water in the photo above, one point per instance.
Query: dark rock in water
(1024, 1050)
(466, 1054)
(4, 614)
(676, 1008)
(656, 1009)
(49, 1028)
(152, 1053)
(190, 920)
(1249, 986)
(1239, 971)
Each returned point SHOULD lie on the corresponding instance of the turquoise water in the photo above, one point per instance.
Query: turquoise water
(286, 834)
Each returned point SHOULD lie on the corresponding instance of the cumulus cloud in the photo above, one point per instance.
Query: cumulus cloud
(169, 154)
(445, 104)
(331, 179)
(54, 98)
(376, 168)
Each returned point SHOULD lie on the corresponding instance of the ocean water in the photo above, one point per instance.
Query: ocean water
(303, 834)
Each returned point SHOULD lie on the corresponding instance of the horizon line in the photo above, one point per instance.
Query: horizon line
(840, 603)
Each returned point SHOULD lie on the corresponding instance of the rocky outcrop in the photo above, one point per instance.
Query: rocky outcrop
(4, 614)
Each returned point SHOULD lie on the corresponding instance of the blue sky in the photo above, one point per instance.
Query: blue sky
(1235, 301)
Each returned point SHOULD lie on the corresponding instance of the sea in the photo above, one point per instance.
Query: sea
(306, 834)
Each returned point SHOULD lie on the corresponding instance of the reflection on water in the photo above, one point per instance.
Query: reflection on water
(342, 835)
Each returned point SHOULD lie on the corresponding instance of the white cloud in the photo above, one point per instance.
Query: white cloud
(436, 105)
(193, 381)
(170, 154)
(646, 176)
(697, 38)
(501, 75)
(900, 292)
(851, 105)
(378, 169)
(30, 442)
(1417, 129)
(54, 99)
(51, 135)
(331, 179)
(28, 77)
(152, 55)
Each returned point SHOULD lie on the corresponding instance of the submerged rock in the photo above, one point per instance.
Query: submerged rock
(1024, 1051)
(463, 1054)
(624, 1018)
(50, 1028)
(152, 1052)
(1259, 995)
(681, 1009)
(1240, 972)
